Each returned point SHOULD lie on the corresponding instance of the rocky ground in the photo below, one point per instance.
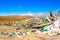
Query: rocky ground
(27, 37)
(32, 37)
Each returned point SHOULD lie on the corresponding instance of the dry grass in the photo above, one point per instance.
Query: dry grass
(24, 37)
(32, 37)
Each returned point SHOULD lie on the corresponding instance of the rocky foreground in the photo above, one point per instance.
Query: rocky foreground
(27, 37)
(32, 37)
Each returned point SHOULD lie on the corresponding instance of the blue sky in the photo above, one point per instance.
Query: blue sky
(8, 7)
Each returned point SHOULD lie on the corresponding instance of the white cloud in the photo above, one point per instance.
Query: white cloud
(28, 13)
(40, 13)
(24, 13)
